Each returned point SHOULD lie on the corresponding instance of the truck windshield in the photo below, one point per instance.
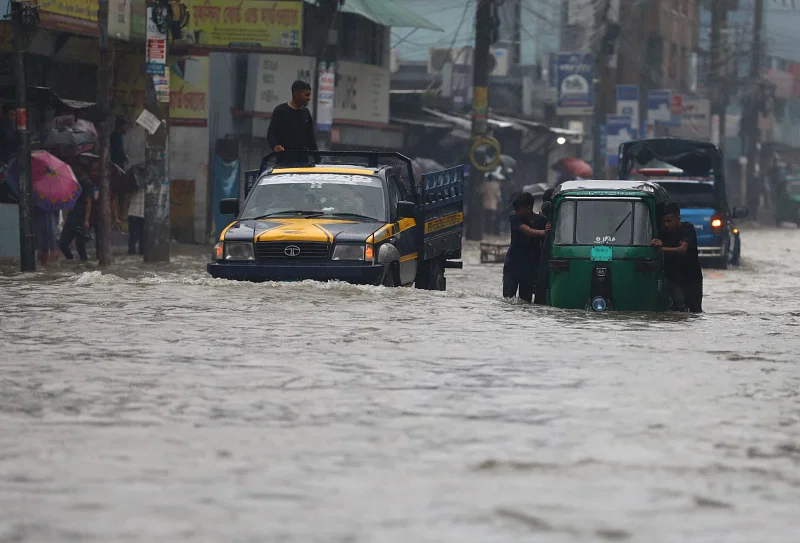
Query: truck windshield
(320, 193)
(603, 222)
(688, 194)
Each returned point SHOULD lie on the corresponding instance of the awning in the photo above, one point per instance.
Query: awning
(427, 123)
(45, 97)
(541, 126)
(386, 13)
(464, 122)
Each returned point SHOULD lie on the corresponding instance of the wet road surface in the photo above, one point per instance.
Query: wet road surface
(151, 403)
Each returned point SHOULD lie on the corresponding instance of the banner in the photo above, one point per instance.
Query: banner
(250, 24)
(270, 78)
(695, 120)
(628, 104)
(75, 16)
(325, 93)
(575, 84)
(189, 89)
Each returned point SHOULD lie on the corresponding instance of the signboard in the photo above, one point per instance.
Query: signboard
(156, 47)
(575, 84)
(75, 16)
(618, 131)
(695, 120)
(658, 106)
(119, 19)
(675, 109)
(325, 94)
(248, 24)
(362, 93)
(270, 80)
(628, 104)
(188, 97)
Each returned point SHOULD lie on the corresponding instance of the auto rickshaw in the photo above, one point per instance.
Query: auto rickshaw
(788, 208)
(601, 253)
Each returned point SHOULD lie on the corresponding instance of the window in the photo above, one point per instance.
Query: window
(690, 194)
(606, 221)
(394, 197)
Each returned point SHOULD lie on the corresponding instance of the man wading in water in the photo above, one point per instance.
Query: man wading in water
(291, 128)
(528, 229)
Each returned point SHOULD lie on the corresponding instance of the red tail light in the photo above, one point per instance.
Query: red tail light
(716, 222)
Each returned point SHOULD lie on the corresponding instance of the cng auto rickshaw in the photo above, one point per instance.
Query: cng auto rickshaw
(601, 253)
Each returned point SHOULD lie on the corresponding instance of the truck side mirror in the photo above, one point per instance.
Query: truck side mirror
(406, 210)
(740, 212)
(229, 206)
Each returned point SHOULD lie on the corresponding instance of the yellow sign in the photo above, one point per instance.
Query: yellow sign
(188, 96)
(246, 24)
(444, 222)
(76, 16)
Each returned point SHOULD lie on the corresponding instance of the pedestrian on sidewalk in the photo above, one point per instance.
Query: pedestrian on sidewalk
(291, 127)
(76, 225)
(136, 222)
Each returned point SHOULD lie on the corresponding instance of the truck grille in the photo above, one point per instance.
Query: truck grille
(282, 251)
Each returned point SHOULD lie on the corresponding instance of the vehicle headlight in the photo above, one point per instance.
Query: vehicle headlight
(349, 252)
(239, 250)
(599, 304)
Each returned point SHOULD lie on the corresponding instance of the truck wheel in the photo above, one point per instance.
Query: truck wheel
(431, 275)
(390, 280)
(737, 251)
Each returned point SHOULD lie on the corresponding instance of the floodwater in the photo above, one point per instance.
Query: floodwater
(151, 403)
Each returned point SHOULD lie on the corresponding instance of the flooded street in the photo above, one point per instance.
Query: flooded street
(150, 403)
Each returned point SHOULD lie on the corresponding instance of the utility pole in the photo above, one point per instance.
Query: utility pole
(27, 243)
(480, 113)
(719, 65)
(327, 45)
(157, 233)
(754, 106)
(600, 89)
(103, 84)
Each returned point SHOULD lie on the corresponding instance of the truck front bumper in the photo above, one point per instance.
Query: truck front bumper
(362, 274)
(709, 252)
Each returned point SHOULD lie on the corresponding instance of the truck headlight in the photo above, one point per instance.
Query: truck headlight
(239, 250)
(348, 252)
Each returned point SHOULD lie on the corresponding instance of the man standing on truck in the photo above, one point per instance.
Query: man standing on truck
(678, 242)
(291, 128)
(528, 229)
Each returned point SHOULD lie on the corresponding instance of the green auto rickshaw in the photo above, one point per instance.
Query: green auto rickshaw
(601, 256)
(788, 207)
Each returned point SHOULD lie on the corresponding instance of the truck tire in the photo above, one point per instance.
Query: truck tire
(390, 279)
(737, 251)
(431, 275)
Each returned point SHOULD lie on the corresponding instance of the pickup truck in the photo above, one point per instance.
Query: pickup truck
(358, 217)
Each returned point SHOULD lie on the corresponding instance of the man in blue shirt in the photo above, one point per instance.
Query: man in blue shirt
(528, 229)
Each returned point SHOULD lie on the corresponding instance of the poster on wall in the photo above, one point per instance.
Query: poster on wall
(189, 89)
(119, 19)
(575, 83)
(362, 93)
(156, 47)
(272, 78)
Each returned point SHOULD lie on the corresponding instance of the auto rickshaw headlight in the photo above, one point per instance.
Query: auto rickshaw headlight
(599, 304)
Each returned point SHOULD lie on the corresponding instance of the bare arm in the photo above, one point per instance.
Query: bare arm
(533, 233)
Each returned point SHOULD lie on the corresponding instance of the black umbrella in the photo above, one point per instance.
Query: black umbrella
(66, 141)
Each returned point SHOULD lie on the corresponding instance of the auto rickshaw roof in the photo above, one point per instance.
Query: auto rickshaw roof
(609, 185)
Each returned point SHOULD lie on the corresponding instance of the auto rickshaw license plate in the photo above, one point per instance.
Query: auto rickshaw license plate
(601, 253)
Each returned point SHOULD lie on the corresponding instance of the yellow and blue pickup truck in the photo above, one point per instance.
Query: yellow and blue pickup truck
(358, 217)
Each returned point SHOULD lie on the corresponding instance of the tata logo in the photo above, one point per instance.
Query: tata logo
(698, 226)
(291, 250)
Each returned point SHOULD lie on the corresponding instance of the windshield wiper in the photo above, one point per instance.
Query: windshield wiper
(287, 212)
(354, 215)
(614, 233)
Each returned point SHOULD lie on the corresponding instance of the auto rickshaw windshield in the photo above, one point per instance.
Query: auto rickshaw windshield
(618, 222)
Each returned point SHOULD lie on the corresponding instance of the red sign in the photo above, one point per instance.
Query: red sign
(22, 119)
(676, 104)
